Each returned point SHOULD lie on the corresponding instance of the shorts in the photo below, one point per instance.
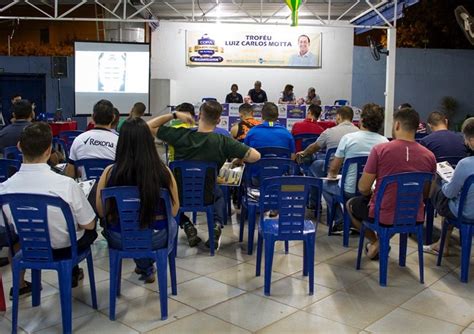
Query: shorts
(360, 208)
(441, 203)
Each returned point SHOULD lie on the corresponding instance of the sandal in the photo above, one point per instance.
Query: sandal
(430, 250)
(375, 257)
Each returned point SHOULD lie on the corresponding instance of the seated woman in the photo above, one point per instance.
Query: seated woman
(445, 197)
(137, 164)
(287, 96)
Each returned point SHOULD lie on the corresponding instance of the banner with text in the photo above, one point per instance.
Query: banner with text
(253, 49)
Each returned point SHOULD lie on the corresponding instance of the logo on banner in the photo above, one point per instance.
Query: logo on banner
(207, 51)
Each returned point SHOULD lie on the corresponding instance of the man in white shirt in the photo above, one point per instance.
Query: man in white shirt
(304, 57)
(355, 144)
(98, 143)
(36, 177)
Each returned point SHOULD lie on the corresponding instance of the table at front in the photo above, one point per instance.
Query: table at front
(58, 127)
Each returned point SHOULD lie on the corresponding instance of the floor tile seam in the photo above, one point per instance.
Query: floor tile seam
(429, 316)
(339, 322)
(449, 292)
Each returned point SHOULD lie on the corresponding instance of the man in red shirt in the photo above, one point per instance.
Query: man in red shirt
(308, 125)
(401, 155)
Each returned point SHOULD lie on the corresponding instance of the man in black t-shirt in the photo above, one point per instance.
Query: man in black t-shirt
(203, 145)
(257, 94)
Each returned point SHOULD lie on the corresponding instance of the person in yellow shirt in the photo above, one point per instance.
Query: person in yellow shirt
(176, 123)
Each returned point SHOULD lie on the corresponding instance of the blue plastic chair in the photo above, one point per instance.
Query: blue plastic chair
(262, 169)
(429, 209)
(288, 195)
(137, 244)
(93, 168)
(29, 214)
(409, 188)
(8, 167)
(12, 152)
(274, 152)
(341, 102)
(69, 136)
(358, 163)
(466, 230)
(191, 178)
(328, 158)
(306, 139)
(60, 145)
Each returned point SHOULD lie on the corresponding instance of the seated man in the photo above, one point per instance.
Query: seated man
(441, 141)
(352, 145)
(308, 125)
(445, 196)
(239, 131)
(36, 177)
(269, 133)
(329, 139)
(23, 115)
(98, 143)
(205, 145)
(138, 110)
(401, 155)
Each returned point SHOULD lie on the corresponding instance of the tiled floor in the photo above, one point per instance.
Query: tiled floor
(221, 294)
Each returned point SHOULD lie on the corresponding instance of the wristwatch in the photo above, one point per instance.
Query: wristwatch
(174, 115)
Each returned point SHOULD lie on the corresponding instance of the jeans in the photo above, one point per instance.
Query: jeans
(330, 190)
(316, 170)
(159, 240)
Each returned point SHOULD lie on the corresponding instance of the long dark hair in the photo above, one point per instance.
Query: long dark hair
(137, 164)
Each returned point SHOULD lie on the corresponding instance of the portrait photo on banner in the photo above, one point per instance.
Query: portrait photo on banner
(265, 49)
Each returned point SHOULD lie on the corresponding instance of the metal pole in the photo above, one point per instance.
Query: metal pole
(390, 80)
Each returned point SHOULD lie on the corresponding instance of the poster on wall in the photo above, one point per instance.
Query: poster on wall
(266, 49)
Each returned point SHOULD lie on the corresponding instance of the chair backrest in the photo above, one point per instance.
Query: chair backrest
(409, 196)
(8, 167)
(127, 201)
(453, 160)
(30, 216)
(306, 139)
(269, 167)
(274, 152)
(341, 102)
(329, 156)
(69, 136)
(60, 145)
(12, 152)
(191, 176)
(93, 168)
(463, 200)
(288, 195)
(205, 99)
(355, 164)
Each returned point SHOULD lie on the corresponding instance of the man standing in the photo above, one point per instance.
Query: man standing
(308, 125)
(204, 145)
(401, 155)
(304, 57)
(23, 114)
(441, 141)
(257, 94)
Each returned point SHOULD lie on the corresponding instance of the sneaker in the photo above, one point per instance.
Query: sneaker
(148, 278)
(217, 237)
(24, 291)
(76, 277)
(338, 229)
(191, 234)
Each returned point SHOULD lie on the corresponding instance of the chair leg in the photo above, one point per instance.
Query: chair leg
(90, 269)
(429, 222)
(210, 226)
(36, 288)
(420, 254)
(162, 273)
(444, 230)
(194, 217)
(251, 218)
(269, 250)
(403, 249)
(16, 295)
(243, 212)
(119, 277)
(113, 264)
(172, 265)
(347, 227)
(466, 242)
(310, 245)
(361, 246)
(65, 290)
(330, 214)
(384, 242)
(259, 255)
(287, 246)
(305, 258)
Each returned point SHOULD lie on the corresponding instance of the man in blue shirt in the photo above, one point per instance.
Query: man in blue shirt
(445, 196)
(22, 114)
(441, 141)
(269, 133)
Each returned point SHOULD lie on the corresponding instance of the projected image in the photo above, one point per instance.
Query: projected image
(112, 71)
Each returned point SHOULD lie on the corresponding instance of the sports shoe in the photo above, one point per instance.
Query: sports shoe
(191, 234)
(338, 229)
(24, 291)
(76, 277)
(217, 237)
(143, 275)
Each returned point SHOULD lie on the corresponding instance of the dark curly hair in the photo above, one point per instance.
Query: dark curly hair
(372, 117)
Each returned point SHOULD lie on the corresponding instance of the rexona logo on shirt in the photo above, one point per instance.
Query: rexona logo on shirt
(93, 142)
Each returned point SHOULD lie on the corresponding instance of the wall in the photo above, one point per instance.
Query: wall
(332, 81)
(423, 77)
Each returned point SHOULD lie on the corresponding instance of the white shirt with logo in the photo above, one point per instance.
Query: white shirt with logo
(40, 179)
(94, 144)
